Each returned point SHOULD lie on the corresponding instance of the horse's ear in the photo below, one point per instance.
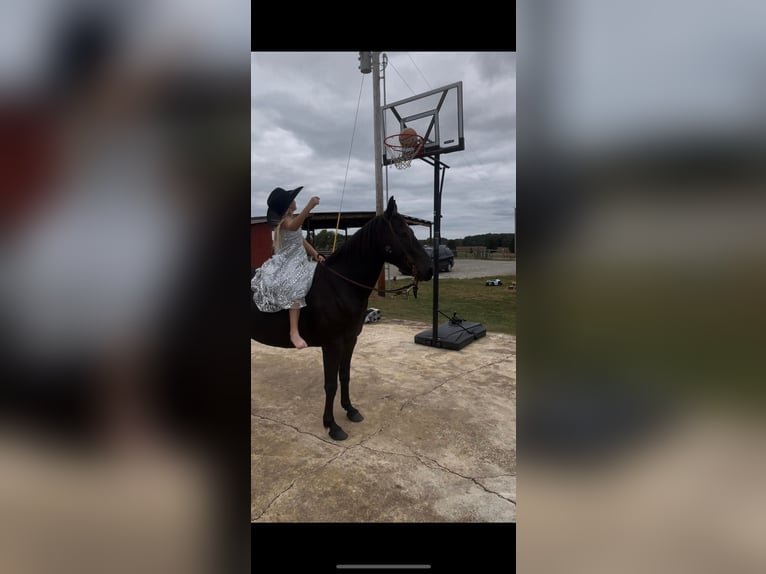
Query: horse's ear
(391, 209)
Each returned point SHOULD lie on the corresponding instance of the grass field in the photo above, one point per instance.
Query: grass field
(472, 299)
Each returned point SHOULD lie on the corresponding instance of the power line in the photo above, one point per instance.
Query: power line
(398, 74)
(418, 69)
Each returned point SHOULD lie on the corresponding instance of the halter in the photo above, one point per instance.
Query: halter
(387, 249)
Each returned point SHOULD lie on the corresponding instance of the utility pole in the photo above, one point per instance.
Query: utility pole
(370, 62)
(376, 129)
(376, 121)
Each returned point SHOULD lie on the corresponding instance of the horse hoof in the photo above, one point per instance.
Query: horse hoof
(337, 433)
(354, 416)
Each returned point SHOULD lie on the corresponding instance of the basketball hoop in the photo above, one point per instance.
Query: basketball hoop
(404, 148)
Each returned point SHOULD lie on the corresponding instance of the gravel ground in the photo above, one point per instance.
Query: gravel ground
(470, 268)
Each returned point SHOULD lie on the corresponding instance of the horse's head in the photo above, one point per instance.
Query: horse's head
(402, 249)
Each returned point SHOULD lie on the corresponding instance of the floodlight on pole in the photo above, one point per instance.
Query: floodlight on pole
(365, 62)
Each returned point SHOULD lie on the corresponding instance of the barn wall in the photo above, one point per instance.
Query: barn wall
(260, 244)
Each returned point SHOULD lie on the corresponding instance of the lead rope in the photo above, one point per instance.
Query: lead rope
(414, 284)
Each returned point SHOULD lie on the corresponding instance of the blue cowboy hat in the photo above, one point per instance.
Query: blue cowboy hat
(279, 201)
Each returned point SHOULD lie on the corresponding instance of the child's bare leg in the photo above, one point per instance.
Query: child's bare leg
(295, 337)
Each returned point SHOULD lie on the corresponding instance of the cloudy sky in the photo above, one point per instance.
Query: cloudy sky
(302, 120)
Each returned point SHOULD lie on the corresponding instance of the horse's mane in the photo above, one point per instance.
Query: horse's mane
(359, 245)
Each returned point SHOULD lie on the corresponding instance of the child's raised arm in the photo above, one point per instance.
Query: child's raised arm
(295, 223)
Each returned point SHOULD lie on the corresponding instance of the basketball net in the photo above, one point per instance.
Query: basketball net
(402, 155)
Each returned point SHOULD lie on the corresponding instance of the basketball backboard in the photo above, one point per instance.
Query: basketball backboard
(436, 115)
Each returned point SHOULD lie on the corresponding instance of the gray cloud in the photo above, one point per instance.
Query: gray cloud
(495, 66)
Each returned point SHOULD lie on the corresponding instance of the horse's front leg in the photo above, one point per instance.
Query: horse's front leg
(345, 377)
(331, 354)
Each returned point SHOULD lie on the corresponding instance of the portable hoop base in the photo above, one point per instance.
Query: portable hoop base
(452, 336)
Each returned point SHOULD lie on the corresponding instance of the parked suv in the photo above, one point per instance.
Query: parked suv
(446, 257)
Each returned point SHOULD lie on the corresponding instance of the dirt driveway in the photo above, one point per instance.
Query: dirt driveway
(438, 443)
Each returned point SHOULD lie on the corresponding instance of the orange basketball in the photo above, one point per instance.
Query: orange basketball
(408, 137)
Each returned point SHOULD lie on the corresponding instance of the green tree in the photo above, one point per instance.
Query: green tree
(324, 240)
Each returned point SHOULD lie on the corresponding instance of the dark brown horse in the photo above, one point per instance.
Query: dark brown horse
(337, 302)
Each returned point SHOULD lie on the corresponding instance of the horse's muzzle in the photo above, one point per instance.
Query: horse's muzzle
(420, 276)
(423, 275)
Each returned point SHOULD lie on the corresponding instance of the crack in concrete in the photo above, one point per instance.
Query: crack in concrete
(296, 429)
(489, 490)
(447, 380)
(296, 479)
(439, 466)
(373, 435)
(333, 443)
(384, 451)
(498, 476)
(273, 500)
(472, 479)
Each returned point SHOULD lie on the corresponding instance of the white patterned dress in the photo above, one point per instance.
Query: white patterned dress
(286, 277)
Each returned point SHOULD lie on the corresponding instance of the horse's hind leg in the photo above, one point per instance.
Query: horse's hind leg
(331, 358)
(345, 377)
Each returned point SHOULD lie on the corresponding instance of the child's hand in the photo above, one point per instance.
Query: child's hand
(320, 258)
(313, 202)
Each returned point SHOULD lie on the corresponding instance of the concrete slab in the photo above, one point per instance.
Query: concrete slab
(438, 442)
